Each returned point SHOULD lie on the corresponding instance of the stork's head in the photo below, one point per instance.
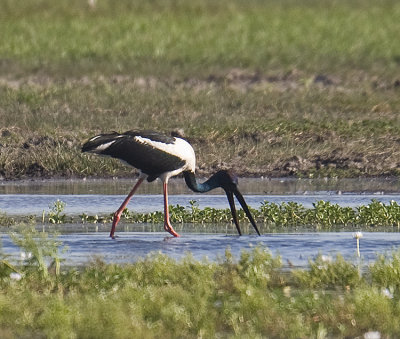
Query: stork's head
(228, 181)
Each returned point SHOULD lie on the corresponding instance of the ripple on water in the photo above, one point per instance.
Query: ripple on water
(294, 248)
(27, 204)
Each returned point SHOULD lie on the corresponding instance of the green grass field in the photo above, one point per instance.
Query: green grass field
(306, 88)
(184, 38)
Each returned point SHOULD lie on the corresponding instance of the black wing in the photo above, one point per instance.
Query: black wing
(148, 158)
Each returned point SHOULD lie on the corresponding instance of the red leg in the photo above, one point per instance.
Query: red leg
(167, 224)
(117, 214)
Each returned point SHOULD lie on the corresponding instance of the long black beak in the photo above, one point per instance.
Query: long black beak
(240, 198)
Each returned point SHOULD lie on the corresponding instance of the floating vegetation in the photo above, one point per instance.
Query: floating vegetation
(324, 215)
(6, 220)
(55, 215)
(157, 296)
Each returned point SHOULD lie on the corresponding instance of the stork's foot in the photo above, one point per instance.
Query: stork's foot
(170, 230)
(117, 216)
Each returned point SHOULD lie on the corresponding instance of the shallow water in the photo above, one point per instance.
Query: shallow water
(100, 197)
(105, 196)
(294, 248)
(35, 204)
(274, 186)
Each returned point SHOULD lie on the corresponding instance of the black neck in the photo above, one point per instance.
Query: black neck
(206, 186)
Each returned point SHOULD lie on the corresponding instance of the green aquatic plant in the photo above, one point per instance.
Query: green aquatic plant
(285, 214)
(379, 214)
(55, 215)
(323, 215)
(5, 220)
(94, 219)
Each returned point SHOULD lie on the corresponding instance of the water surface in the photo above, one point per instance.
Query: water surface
(294, 248)
(35, 204)
(86, 241)
(274, 186)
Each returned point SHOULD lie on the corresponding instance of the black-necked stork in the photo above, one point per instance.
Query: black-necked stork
(159, 156)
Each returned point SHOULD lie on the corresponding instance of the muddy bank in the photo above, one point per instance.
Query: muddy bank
(43, 156)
